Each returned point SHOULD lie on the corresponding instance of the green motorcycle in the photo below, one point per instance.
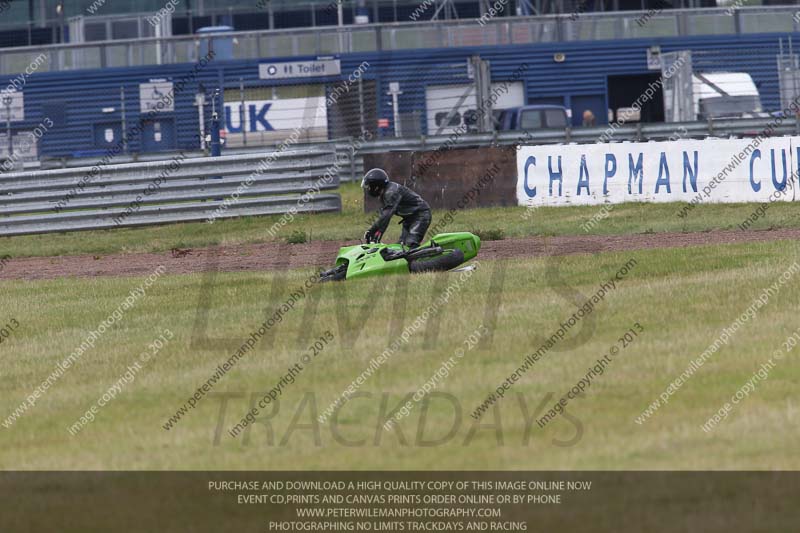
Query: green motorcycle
(445, 251)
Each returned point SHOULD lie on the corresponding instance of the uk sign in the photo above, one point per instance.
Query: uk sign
(266, 120)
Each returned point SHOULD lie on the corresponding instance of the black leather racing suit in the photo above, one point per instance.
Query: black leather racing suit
(408, 205)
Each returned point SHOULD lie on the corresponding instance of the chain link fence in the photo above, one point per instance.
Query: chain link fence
(377, 100)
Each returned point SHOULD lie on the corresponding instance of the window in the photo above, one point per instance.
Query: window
(530, 120)
(470, 117)
(455, 120)
(729, 106)
(555, 118)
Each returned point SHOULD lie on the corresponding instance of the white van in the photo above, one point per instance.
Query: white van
(725, 95)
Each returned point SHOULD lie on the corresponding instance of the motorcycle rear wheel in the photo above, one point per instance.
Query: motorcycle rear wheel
(447, 260)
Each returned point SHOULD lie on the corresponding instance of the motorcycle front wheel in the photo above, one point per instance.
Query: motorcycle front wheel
(335, 274)
(446, 260)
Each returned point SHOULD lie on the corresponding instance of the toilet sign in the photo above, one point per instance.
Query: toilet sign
(156, 96)
(299, 69)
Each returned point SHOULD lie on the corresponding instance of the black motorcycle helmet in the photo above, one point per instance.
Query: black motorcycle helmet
(375, 181)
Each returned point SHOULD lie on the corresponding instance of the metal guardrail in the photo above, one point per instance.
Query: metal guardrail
(351, 166)
(334, 40)
(191, 189)
(194, 187)
(626, 132)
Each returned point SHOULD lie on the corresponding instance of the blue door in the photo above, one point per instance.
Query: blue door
(107, 134)
(158, 135)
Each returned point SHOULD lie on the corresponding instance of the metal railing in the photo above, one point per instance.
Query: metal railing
(333, 40)
(158, 192)
(198, 187)
(350, 163)
(582, 135)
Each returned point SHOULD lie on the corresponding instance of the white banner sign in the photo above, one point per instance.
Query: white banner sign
(696, 171)
(271, 115)
(275, 120)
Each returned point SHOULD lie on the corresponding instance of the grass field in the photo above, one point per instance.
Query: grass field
(352, 222)
(681, 297)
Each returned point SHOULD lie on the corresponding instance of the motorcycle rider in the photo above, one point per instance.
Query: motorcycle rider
(398, 200)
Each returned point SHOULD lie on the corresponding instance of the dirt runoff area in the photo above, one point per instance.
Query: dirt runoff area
(276, 256)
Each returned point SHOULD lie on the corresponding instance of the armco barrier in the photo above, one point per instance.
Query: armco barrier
(178, 190)
(351, 165)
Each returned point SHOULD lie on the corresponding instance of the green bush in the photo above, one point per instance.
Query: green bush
(493, 234)
(297, 237)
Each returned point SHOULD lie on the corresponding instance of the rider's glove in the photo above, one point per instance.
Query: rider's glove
(368, 236)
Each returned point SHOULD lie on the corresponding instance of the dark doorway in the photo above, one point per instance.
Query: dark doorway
(352, 108)
(623, 91)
